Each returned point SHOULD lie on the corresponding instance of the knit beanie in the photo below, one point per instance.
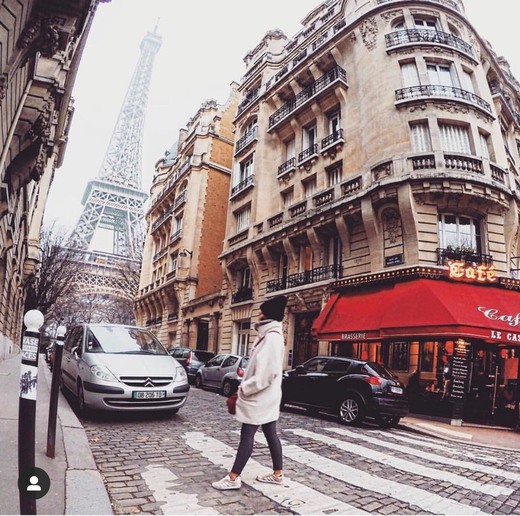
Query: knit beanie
(274, 308)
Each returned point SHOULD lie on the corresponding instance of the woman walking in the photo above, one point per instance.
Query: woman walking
(260, 395)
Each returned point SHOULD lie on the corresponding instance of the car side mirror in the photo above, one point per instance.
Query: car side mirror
(300, 370)
(74, 351)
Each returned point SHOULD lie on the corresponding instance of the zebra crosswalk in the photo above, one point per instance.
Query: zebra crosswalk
(335, 470)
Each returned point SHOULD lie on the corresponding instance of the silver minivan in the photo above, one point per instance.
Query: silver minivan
(120, 367)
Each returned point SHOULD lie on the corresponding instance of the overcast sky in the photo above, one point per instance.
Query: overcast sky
(204, 43)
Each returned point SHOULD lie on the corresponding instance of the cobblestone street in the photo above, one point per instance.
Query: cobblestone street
(165, 465)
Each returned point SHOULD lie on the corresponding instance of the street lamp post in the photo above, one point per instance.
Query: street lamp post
(33, 320)
(53, 404)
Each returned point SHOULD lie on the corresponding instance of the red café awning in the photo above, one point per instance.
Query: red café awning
(421, 307)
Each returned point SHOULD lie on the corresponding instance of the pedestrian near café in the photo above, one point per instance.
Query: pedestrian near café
(260, 395)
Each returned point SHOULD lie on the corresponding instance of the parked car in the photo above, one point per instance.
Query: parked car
(191, 359)
(352, 389)
(119, 367)
(223, 372)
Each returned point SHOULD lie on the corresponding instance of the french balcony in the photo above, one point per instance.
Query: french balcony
(180, 199)
(242, 294)
(248, 100)
(160, 254)
(463, 255)
(334, 76)
(163, 218)
(243, 185)
(175, 236)
(331, 143)
(249, 137)
(454, 4)
(286, 167)
(308, 154)
(440, 91)
(413, 36)
(323, 273)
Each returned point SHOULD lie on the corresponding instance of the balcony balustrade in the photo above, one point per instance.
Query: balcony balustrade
(242, 294)
(332, 139)
(164, 217)
(336, 74)
(325, 272)
(462, 254)
(289, 165)
(180, 199)
(407, 36)
(308, 153)
(247, 182)
(250, 97)
(248, 137)
(438, 90)
(175, 236)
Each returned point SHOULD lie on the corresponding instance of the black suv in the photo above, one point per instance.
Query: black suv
(191, 359)
(350, 388)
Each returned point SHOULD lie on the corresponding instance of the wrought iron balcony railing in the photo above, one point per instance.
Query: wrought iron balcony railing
(308, 153)
(248, 181)
(242, 294)
(439, 90)
(405, 36)
(463, 255)
(248, 137)
(331, 139)
(337, 73)
(290, 164)
(325, 272)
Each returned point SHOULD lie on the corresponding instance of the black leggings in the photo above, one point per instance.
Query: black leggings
(245, 448)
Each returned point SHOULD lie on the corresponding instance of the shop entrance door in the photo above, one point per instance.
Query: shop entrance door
(305, 346)
(482, 390)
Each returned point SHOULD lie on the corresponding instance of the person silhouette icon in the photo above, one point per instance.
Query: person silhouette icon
(34, 484)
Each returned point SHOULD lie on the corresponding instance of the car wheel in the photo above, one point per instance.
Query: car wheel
(227, 389)
(388, 421)
(351, 410)
(82, 407)
(198, 381)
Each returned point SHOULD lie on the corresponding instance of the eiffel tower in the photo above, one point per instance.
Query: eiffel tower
(113, 201)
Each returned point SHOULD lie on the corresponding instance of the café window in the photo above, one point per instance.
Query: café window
(399, 353)
(459, 231)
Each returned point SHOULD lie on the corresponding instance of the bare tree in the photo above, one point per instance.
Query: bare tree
(57, 269)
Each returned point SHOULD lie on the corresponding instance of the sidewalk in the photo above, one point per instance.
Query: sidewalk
(76, 484)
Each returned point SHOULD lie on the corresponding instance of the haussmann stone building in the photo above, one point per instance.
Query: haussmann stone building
(375, 183)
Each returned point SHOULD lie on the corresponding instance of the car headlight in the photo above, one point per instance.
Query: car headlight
(103, 373)
(180, 374)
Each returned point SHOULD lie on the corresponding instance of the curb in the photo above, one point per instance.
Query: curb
(85, 491)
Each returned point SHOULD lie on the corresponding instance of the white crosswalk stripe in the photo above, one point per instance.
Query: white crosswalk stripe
(356, 477)
(434, 445)
(405, 465)
(423, 455)
(293, 495)
(163, 482)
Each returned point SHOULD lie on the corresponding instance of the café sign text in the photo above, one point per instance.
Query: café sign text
(462, 270)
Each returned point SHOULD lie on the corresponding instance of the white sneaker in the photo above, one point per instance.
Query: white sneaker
(227, 483)
(270, 479)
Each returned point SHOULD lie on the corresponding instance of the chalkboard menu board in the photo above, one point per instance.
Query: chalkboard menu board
(460, 370)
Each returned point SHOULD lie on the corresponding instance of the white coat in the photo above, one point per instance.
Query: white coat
(260, 392)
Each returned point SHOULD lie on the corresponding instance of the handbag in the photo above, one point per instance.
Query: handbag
(232, 403)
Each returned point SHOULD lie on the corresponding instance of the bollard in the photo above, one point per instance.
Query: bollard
(33, 320)
(53, 404)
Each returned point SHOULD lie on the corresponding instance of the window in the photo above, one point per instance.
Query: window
(288, 197)
(335, 175)
(334, 123)
(243, 337)
(177, 226)
(399, 356)
(173, 262)
(423, 23)
(467, 81)
(246, 169)
(421, 141)
(309, 136)
(310, 187)
(484, 145)
(455, 138)
(459, 231)
(245, 277)
(334, 251)
(229, 361)
(338, 366)
(242, 219)
(290, 149)
(410, 75)
(316, 364)
(442, 74)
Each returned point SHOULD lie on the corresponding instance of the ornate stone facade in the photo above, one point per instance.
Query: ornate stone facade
(44, 41)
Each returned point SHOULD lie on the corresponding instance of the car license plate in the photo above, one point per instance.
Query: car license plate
(147, 395)
(396, 390)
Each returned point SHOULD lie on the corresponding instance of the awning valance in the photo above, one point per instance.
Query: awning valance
(422, 307)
